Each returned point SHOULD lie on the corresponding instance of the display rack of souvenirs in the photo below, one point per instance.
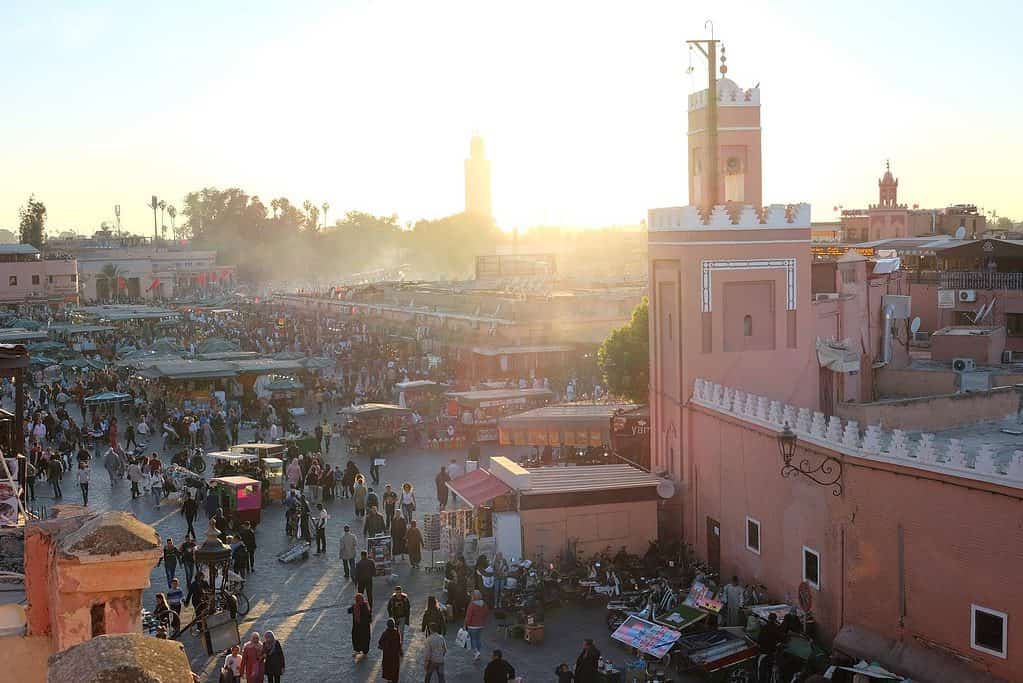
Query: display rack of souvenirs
(380, 551)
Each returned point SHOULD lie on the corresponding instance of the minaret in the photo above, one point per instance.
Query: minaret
(888, 189)
(477, 180)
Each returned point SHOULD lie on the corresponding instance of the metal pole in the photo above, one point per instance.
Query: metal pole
(712, 123)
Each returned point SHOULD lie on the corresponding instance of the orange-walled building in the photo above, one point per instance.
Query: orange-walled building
(914, 539)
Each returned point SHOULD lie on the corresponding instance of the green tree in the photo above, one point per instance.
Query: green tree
(32, 222)
(624, 357)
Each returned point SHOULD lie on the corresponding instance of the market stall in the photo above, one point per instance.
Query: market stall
(240, 497)
(375, 428)
(569, 425)
(721, 655)
(479, 411)
(468, 528)
(423, 396)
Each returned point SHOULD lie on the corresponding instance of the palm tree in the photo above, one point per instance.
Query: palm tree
(172, 212)
(154, 204)
(163, 207)
(275, 204)
(326, 206)
(112, 275)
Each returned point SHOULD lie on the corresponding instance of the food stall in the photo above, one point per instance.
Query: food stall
(240, 497)
(263, 450)
(273, 476)
(226, 463)
(478, 411)
(422, 396)
(374, 428)
(573, 424)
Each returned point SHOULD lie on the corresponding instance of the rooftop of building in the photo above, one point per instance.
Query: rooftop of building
(125, 658)
(569, 412)
(18, 249)
(585, 478)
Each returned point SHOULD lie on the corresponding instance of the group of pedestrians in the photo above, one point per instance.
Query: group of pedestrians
(261, 658)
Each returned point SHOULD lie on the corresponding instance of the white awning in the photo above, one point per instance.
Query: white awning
(838, 356)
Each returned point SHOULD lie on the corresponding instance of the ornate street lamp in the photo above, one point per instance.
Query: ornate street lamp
(827, 473)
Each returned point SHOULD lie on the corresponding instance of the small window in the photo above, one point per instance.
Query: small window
(1014, 324)
(12, 281)
(747, 326)
(669, 326)
(812, 567)
(753, 535)
(35, 279)
(988, 630)
(49, 278)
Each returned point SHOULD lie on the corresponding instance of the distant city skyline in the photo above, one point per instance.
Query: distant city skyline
(367, 105)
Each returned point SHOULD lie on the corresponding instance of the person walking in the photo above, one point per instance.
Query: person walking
(175, 596)
(372, 501)
(374, 524)
(187, 553)
(273, 658)
(321, 529)
(434, 651)
(170, 559)
(112, 464)
(408, 501)
(390, 499)
(390, 643)
(475, 619)
(586, 663)
(365, 570)
(54, 471)
(83, 481)
(399, 608)
(362, 619)
(359, 496)
(498, 670)
(248, 538)
(135, 476)
(347, 554)
(434, 620)
(232, 670)
(441, 482)
(189, 510)
(156, 487)
(398, 532)
(414, 545)
(252, 659)
(303, 518)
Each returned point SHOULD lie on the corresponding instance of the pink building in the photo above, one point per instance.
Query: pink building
(907, 539)
(26, 277)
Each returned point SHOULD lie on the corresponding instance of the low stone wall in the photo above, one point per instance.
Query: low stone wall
(929, 413)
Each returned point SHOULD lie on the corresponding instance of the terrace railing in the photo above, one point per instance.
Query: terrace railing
(981, 280)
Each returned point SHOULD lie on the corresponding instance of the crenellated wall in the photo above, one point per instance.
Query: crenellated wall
(874, 443)
(729, 216)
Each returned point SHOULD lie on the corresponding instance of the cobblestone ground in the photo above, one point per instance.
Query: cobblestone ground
(305, 602)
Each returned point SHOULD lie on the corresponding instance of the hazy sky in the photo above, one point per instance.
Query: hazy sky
(369, 105)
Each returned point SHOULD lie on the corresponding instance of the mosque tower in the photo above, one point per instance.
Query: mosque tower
(477, 180)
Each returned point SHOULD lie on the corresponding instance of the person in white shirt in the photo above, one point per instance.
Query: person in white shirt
(275, 432)
(321, 529)
(233, 663)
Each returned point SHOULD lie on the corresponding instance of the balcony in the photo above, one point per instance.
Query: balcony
(981, 280)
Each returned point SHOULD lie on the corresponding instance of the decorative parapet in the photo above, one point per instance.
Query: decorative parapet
(729, 95)
(875, 443)
(726, 216)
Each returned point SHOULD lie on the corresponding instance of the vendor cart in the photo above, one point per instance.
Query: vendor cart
(241, 498)
(375, 428)
(226, 463)
(273, 477)
(263, 450)
(725, 654)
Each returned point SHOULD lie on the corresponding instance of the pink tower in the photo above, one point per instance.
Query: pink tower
(729, 284)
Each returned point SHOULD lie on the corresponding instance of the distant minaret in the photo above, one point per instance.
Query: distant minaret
(477, 180)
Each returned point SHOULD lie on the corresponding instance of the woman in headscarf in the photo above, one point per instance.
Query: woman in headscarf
(361, 619)
(390, 643)
(252, 659)
(273, 658)
(398, 529)
(359, 496)
(414, 545)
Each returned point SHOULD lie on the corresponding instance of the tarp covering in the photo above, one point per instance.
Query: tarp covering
(647, 637)
(838, 356)
(375, 410)
(107, 397)
(478, 487)
(906, 659)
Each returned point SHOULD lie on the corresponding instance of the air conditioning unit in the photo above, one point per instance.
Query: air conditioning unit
(964, 364)
(826, 296)
(967, 295)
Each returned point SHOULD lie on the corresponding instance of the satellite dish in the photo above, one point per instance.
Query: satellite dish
(960, 232)
(914, 326)
(666, 488)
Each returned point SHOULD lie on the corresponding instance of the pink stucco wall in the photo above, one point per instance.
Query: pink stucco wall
(593, 527)
(983, 348)
(956, 539)
(930, 413)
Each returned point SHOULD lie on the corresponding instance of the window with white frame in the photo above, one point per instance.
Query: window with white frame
(988, 630)
(753, 535)
(812, 567)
